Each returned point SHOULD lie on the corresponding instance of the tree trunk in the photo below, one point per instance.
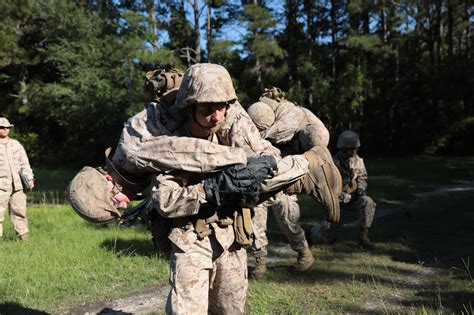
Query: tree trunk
(150, 8)
(209, 31)
(197, 31)
(334, 42)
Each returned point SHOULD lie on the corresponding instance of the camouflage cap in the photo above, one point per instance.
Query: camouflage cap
(205, 83)
(90, 197)
(262, 115)
(348, 140)
(5, 123)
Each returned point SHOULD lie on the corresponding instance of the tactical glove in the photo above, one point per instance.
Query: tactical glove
(235, 184)
(239, 185)
(262, 167)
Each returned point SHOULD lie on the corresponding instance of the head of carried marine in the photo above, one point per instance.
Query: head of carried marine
(206, 92)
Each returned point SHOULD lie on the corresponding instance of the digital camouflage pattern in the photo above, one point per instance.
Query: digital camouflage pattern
(207, 276)
(293, 129)
(283, 122)
(286, 210)
(90, 196)
(205, 83)
(351, 170)
(354, 175)
(148, 144)
(13, 158)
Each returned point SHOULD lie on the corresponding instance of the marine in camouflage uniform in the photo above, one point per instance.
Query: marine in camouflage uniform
(293, 129)
(208, 268)
(354, 196)
(153, 142)
(13, 159)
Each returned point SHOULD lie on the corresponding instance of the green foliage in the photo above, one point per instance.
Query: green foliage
(399, 73)
(456, 139)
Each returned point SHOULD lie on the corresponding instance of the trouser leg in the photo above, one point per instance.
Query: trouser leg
(259, 222)
(189, 279)
(366, 207)
(18, 212)
(4, 201)
(229, 287)
(287, 213)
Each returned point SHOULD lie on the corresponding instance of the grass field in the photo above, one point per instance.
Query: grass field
(422, 264)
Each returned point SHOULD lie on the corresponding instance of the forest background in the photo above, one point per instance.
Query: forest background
(400, 73)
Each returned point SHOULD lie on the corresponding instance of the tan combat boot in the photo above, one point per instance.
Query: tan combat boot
(24, 237)
(304, 261)
(260, 268)
(364, 241)
(323, 181)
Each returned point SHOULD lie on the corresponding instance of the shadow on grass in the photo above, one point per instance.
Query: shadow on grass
(110, 311)
(124, 247)
(457, 302)
(15, 308)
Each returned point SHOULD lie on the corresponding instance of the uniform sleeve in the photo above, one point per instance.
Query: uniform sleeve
(24, 162)
(361, 173)
(239, 131)
(146, 145)
(174, 198)
(287, 123)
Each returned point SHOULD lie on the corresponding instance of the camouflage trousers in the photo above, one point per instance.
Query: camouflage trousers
(286, 210)
(15, 201)
(366, 207)
(328, 231)
(207, 275)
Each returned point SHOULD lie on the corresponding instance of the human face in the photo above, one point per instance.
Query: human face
(209, 116)
(4, 131)
(349, 152)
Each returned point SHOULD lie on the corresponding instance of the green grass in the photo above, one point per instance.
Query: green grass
(424, 262)
(433, 231)
(68, 261)
(50, 186)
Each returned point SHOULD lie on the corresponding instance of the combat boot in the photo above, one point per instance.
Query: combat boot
(24, 237)
(304, 261)
(323, 181)
(364, 241)
(260, 268)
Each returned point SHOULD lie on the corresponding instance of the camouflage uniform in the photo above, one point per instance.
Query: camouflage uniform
(207, 273)
(354, 175)
(293, 129)
(292, 123)
(152, 141)
(13, 158)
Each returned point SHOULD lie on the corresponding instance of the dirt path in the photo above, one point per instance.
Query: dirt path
(153, 300)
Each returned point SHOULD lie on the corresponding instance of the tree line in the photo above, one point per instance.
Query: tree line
(398, 72)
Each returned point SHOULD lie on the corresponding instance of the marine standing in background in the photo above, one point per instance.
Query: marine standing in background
(13, 166)
(294, 130)
(354, 193)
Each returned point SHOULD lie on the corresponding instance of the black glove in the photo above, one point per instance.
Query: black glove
(235, 185)
(262, 167)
